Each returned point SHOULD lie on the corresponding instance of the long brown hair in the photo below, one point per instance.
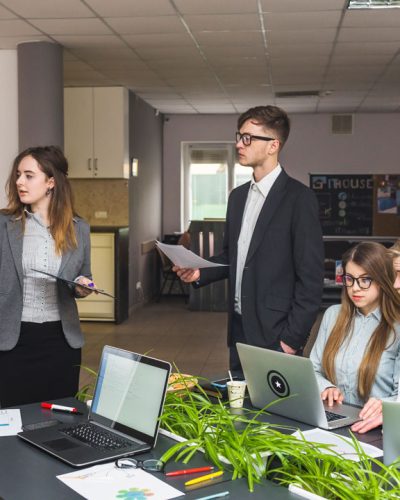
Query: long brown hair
(53, 163)
(374, 259)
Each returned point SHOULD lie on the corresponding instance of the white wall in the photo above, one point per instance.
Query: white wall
(311, 148)
(8, 116)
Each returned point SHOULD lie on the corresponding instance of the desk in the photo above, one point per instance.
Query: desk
(27, 472)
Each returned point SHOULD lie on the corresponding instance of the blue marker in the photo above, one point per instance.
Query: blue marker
(215, 495)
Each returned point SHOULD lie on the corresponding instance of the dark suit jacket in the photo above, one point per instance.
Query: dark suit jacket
(283, 275)
(74, 263)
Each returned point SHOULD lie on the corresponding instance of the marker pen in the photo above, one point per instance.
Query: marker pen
(54, 407)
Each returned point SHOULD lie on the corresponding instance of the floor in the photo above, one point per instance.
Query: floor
(194, 341)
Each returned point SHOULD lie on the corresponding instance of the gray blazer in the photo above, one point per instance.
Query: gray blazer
(73, 263)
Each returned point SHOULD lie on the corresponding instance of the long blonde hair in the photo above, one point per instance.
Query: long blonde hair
(53, 163)
(374, 259)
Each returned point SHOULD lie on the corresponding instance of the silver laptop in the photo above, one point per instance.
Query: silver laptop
(272, 375)
(124, 416)
(391, 431)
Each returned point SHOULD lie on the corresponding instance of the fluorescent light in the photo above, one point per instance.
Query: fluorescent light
(373, 4)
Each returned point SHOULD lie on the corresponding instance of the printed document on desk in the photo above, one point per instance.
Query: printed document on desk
(106, 481)
(10, 422)
(74, 283)
(182, 257)
(339, 444)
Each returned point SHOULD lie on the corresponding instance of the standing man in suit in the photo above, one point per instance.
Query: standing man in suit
(272, 244)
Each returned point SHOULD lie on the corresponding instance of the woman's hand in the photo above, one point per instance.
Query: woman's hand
(371, 416)
(332, 395)
(84, 292)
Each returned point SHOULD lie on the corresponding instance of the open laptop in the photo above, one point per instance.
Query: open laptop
(124, 415)
(391, 431)
(272, 375)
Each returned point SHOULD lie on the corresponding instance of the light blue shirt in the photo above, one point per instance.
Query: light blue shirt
(350, 354)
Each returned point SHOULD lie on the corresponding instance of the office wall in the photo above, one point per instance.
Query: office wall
(311, 148)
(8, 116)
(145, 198)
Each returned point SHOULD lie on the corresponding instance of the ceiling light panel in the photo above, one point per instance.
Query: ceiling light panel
(373, 4)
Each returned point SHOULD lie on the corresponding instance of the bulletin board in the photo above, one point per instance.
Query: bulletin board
(345, 203)
(386, 214)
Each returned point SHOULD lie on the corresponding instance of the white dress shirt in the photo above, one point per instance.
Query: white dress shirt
(256, 197)
(40, 298)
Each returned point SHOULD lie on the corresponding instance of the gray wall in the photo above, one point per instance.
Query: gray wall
(40, 94)
(145, 198)
(311, 148)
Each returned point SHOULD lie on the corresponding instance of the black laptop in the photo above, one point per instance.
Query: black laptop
(124, 416)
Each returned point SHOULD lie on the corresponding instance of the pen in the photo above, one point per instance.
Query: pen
(189, 471)
(215, 495)
(67, 409)
(204, 478)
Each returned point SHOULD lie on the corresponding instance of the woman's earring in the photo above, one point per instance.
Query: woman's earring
(48, 192)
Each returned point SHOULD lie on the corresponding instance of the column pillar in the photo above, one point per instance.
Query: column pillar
(8, 116)
(40, 94)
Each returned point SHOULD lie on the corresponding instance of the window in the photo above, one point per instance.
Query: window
(210, 172)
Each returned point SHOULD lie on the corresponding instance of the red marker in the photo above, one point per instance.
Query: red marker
(67, 409)
(189, 471)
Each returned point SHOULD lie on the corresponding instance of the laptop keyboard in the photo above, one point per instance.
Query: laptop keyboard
(95, 437)
(331, 417)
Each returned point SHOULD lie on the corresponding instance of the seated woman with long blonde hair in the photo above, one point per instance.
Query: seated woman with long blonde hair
(357, 352)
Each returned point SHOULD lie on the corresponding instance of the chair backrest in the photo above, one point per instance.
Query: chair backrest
(184, 240)
(313, 335)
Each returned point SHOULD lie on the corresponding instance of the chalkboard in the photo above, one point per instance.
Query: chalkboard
(345, 203)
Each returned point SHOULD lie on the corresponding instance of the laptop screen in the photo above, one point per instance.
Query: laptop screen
(130, 392)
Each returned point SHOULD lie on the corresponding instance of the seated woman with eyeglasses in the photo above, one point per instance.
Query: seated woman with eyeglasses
(357, 352)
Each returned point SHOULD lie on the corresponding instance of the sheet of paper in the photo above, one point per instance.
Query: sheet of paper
(341, 444)
(105, 482)
(183, 257)
(10, 422)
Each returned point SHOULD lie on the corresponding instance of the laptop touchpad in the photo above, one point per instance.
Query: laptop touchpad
(61, 444)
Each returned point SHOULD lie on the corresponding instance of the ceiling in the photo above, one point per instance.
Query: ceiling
(222, 56)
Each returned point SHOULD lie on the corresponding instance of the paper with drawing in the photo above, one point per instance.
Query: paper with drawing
(106, 482)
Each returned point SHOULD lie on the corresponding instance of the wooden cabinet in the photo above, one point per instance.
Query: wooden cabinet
(109, 261)
(100, 307)
(96, 132)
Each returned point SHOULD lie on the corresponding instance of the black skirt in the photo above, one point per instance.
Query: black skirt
(42, 366)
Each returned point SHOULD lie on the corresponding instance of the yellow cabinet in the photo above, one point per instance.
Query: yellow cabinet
(100, 307)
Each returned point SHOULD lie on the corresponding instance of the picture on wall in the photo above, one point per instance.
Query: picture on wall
(388, 195)
(345, 203)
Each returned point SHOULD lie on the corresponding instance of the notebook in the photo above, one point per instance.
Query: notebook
(391, 431)
(124, 416)
(272, 375)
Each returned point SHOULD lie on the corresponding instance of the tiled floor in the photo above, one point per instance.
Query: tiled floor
(194, 341)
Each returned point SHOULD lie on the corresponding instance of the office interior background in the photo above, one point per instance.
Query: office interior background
(190, 68)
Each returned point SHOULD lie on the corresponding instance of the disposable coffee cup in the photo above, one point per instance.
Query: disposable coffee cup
(236, 390)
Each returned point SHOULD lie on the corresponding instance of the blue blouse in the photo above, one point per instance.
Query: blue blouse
(350, 354)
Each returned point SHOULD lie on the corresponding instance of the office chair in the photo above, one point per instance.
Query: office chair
(168, 276)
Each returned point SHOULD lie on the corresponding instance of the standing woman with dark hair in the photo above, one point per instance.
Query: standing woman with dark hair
(357, 351)
(40, 336)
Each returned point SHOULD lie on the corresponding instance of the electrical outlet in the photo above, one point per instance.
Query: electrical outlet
(101, 214)
(138, 285)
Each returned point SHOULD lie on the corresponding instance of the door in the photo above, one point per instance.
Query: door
(78, 131)
(111, 132)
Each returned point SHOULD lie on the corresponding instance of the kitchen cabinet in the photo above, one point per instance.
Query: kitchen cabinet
(96, 132)
(109, 262)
